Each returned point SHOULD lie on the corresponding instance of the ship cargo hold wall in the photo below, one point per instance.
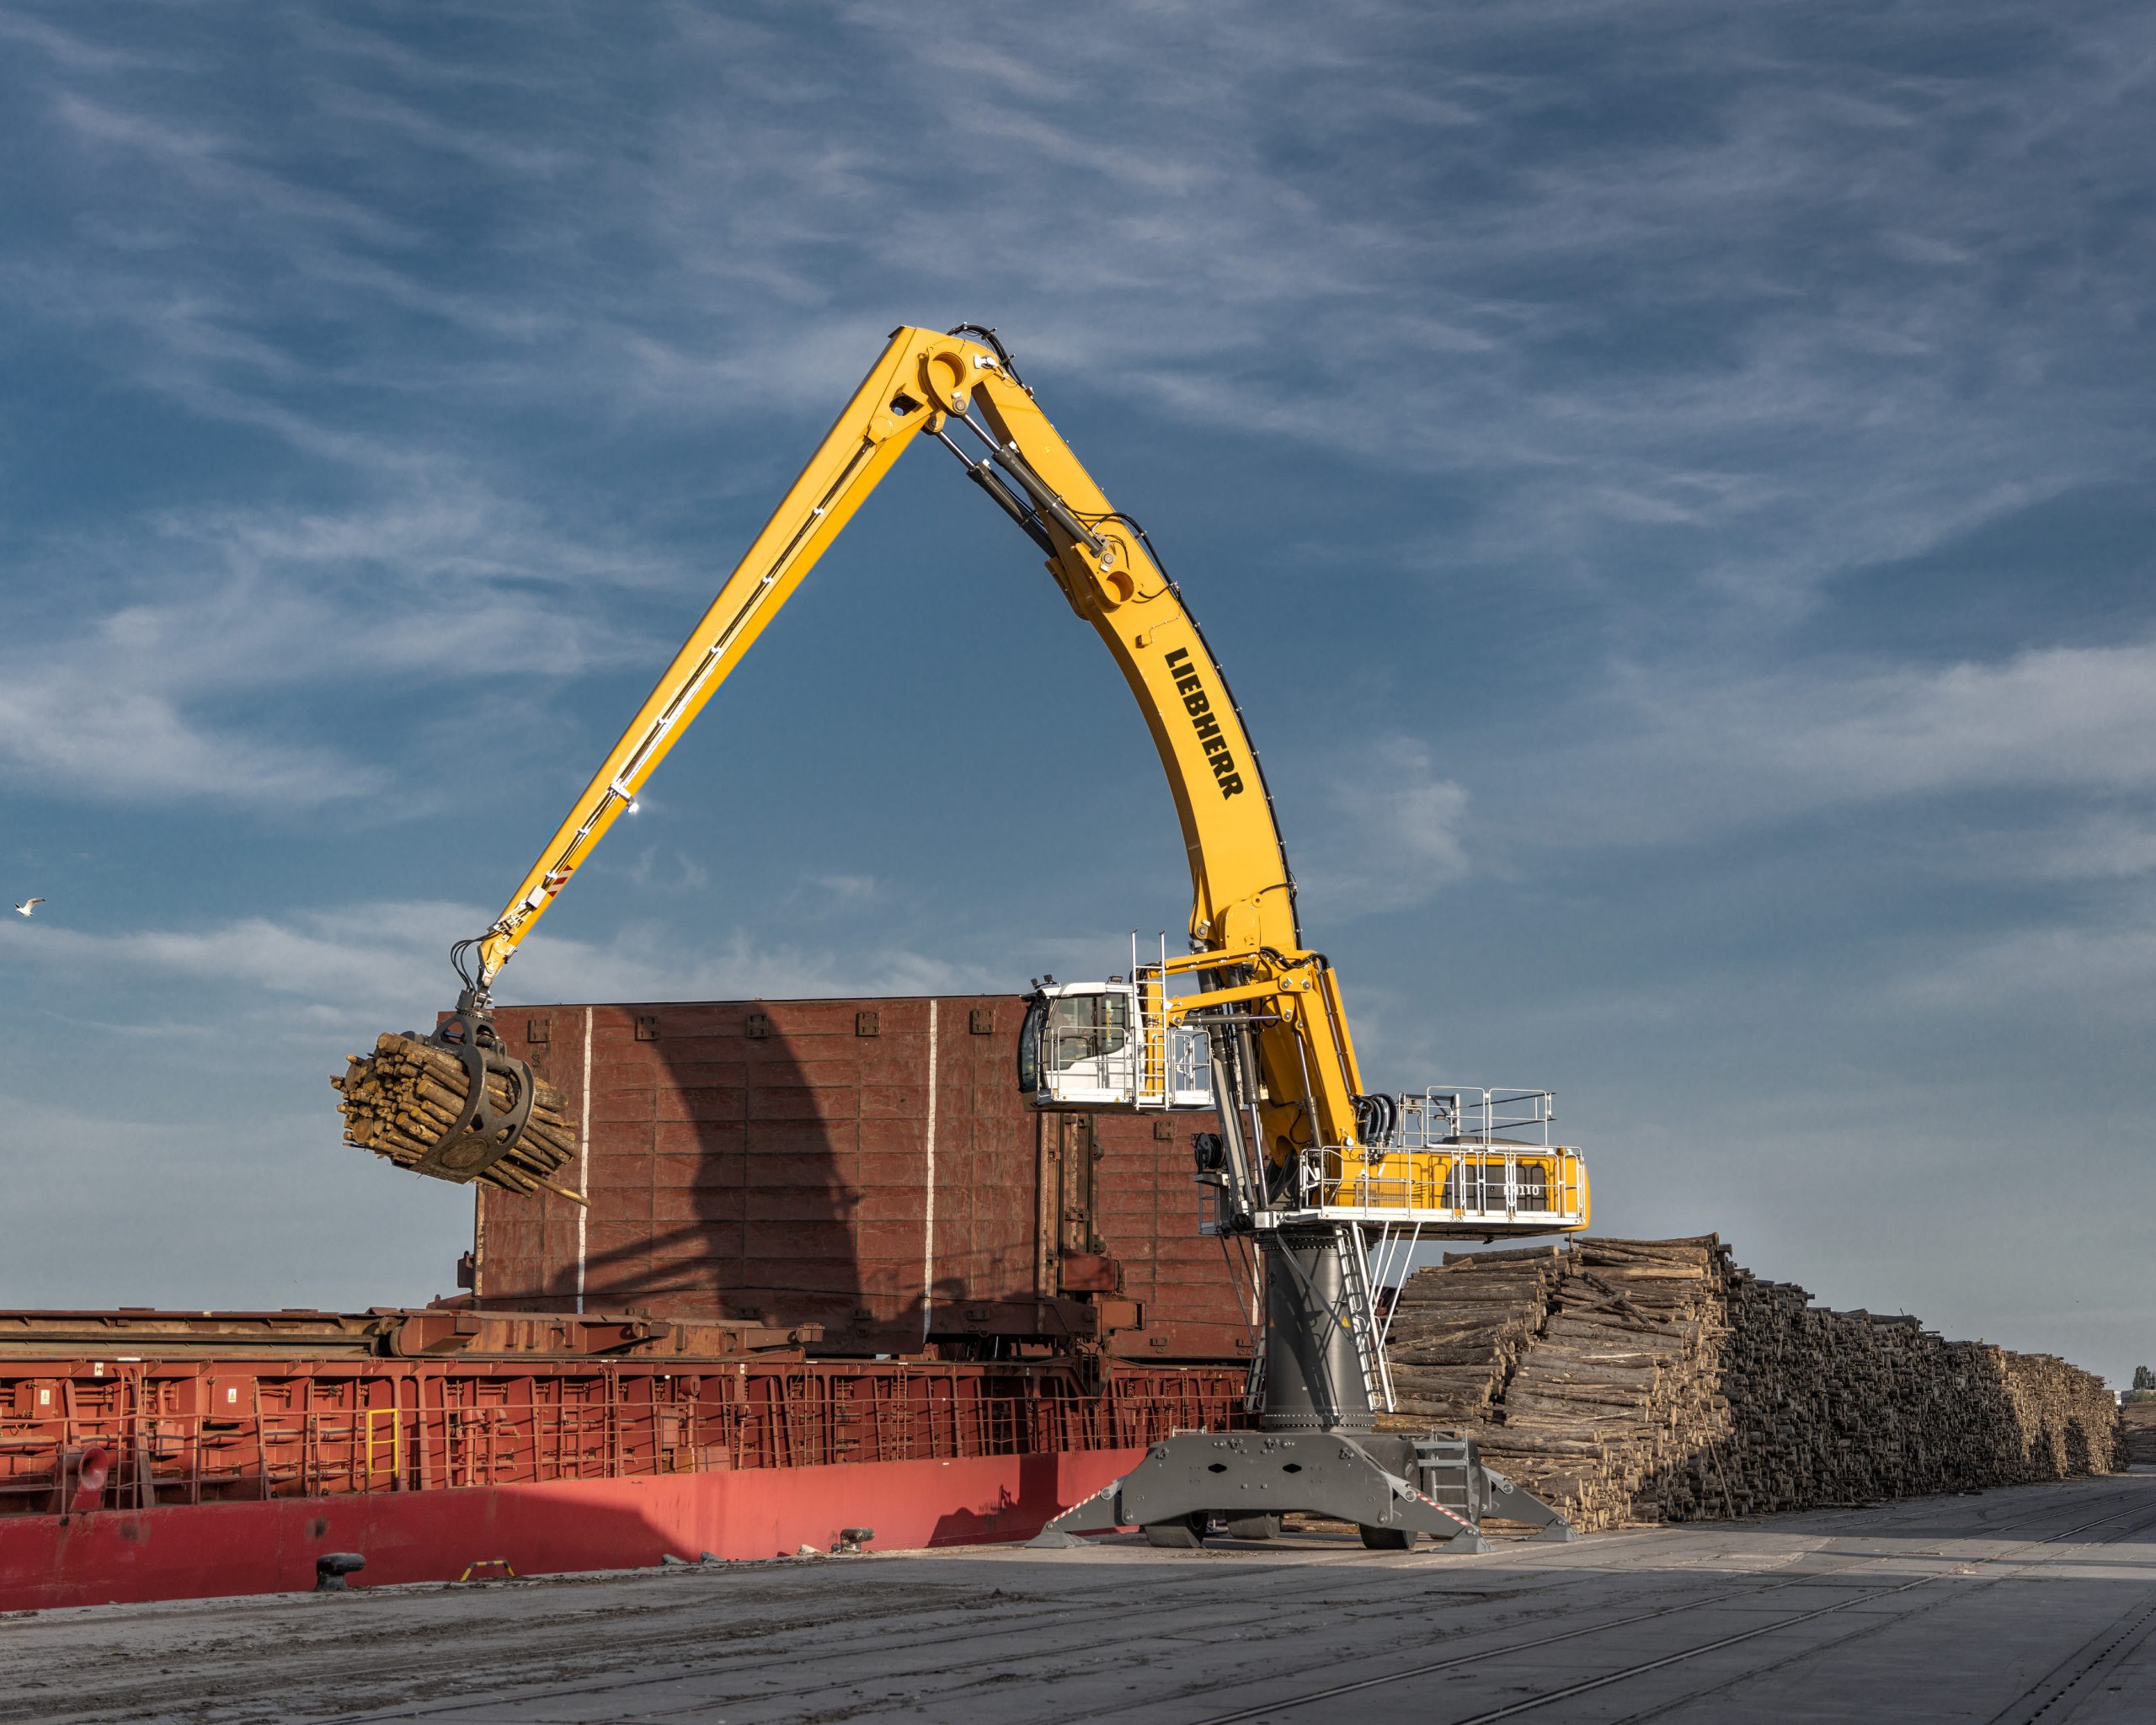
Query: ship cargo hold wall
(865, 1165)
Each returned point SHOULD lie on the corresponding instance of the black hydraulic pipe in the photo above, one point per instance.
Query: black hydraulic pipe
(985, 476)
(1045, 500)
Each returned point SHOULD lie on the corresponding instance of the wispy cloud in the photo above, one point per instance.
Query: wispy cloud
(2101, 847)
(378, 964)
(76, 52)
(215, 606)
(1392, 834)
(75, 733)
(2106, 970)
(1825, 233)
(1698, 757)
(668, 871)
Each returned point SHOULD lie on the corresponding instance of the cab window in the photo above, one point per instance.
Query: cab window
(1084, 1026)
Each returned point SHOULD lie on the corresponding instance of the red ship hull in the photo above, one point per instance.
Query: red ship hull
(111, 1556)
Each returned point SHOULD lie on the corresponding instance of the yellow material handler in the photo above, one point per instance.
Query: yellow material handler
(1336, 1185)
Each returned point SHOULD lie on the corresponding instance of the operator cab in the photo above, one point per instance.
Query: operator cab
(1089, 1045)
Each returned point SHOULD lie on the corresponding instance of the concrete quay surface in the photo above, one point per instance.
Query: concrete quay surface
(2027, 1604)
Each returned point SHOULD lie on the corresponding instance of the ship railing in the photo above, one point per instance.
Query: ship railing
(170, 1459)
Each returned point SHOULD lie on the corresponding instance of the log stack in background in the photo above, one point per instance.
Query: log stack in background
(1643, 1380)
(399, 1100)
(2139, 1420)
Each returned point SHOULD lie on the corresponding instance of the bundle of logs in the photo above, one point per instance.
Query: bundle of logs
(399, 1100)
(1638, 1381)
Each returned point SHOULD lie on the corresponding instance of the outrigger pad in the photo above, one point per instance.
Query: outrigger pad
(1506, 1501)
(1239, 1475)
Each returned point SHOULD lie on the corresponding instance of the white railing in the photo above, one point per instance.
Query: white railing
(1358, 1290)
(1448, 1114)
(1452, 1190)
(1508, 1188)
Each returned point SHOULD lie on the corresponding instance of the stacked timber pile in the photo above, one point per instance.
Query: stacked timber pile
(399, 1100)
(1456, 1339)
(1608, 1403)
(1631, 1381)
(2139, 1420)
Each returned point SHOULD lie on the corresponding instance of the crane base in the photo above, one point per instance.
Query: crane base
(1184, 1482)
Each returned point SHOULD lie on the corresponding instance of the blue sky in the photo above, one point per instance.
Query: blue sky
(1670, 483)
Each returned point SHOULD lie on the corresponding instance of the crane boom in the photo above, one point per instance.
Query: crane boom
(1242, 893)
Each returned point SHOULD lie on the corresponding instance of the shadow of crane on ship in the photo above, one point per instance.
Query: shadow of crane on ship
(766, 1160)
(728, 1147)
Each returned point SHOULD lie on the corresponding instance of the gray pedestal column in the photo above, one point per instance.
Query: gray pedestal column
(1313, 1375)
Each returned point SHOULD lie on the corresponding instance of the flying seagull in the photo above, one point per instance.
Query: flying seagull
(26, 906)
